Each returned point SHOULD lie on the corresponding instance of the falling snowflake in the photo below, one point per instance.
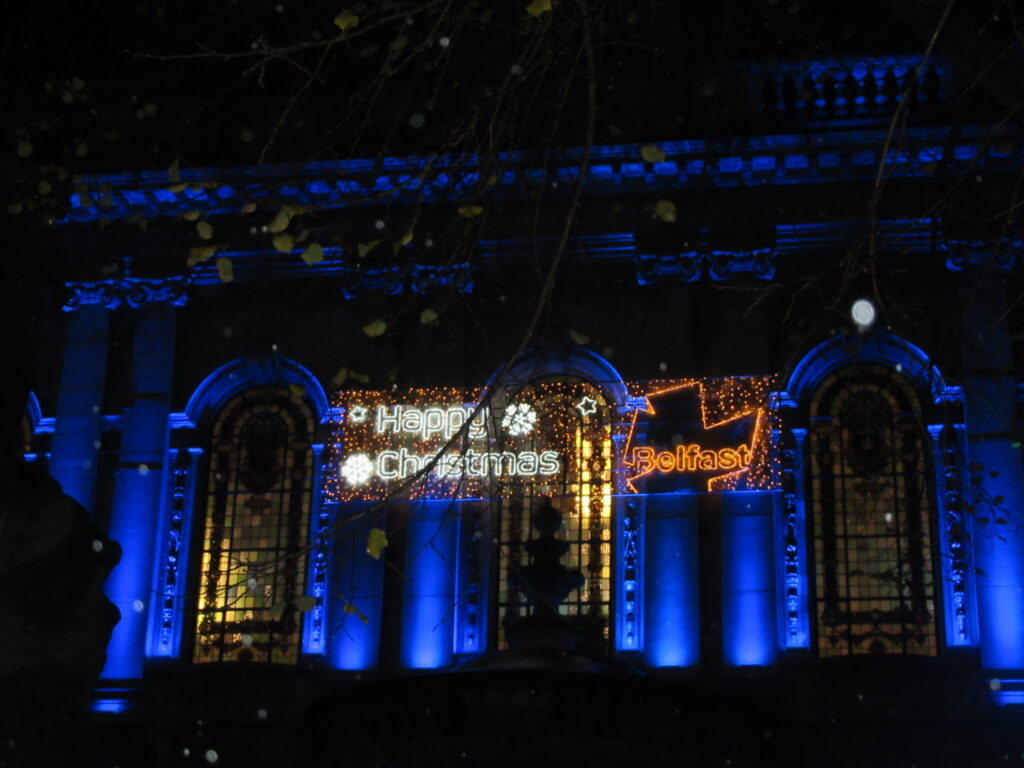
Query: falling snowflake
(357, 469)
(519, 419)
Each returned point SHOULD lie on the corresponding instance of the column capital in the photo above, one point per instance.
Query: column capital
(960, 254)
(133, 291)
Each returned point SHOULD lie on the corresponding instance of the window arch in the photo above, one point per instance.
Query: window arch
(871, 515)
(576, 417)
(252, 562)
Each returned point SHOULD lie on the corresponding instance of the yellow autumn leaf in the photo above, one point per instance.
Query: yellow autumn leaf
(376, 542)
(293, 210)
(346, 20)
(173, 174)
(24, 148)
(225, 269)
(313, 254)
(248, 208)
(339, 377)
(376, 328)
(652, 154)
(296, 389)
(365, 248)
(190, 215)
(470, 211)
(280, 222)
(665, 210)
(537, 7)
(350, 608)
(176, 188)
(305, 603)
(283, 242)
(205, 229)
(578, 337)
(362, 378)
(402, 241)
(428, 316)
(200, 254)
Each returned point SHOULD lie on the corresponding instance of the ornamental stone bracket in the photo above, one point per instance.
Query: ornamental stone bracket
(131, 291)
(1000, 254)
(394, 281)
(718, 265)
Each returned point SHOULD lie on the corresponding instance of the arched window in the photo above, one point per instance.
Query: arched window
(255, 529)
(575, 418)
(870, 503)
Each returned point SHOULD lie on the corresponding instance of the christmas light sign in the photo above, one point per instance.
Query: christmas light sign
(554, 437)
(699, 435)
(435, 443)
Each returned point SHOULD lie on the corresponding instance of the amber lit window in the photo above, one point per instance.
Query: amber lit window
(576, 417)
(257, 502)
(870, 503)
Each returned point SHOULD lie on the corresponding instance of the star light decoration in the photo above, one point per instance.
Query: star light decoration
(587, 406)
(519, 419)
(358, 414)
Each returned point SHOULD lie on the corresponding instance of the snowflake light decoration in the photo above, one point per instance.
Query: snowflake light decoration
(519, 419)
(357, 469)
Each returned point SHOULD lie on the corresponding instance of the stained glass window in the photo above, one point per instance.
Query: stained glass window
(871, 511)
(579, 419)
(257, 503)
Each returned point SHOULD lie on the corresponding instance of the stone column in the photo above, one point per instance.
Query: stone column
(357, 590)
(749, 613)
(428, 604)
(994, 456)
(76, 438)
(671, 581)
(138, 483)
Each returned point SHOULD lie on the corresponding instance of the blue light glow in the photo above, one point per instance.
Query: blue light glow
(749, 623)
(428, 606)
(672, 593)
(357, 591)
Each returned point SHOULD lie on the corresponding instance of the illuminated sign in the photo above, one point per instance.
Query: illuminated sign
(699, 435)
(435, 443)
(682, 435)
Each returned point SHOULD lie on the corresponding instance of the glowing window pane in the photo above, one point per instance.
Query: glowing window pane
(255, 529)
(871, 508)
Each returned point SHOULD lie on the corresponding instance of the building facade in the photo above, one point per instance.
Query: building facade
(788, 533)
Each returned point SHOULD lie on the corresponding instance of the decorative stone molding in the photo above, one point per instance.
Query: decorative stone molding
(1001, 254)
(718, 265)
(132, 291)
(394, 281)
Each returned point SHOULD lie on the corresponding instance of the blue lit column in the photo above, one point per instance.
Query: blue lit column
(357, 590)
(671, 588)
(138, 483)
(73, 457)
(428, 605)
(990, 401)
(749, 628)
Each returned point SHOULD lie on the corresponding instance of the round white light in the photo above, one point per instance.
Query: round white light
(863, 313)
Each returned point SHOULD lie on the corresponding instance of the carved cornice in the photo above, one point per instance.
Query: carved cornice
(418, 278)
(131, 291)
(1000, 254)
(718, 265)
